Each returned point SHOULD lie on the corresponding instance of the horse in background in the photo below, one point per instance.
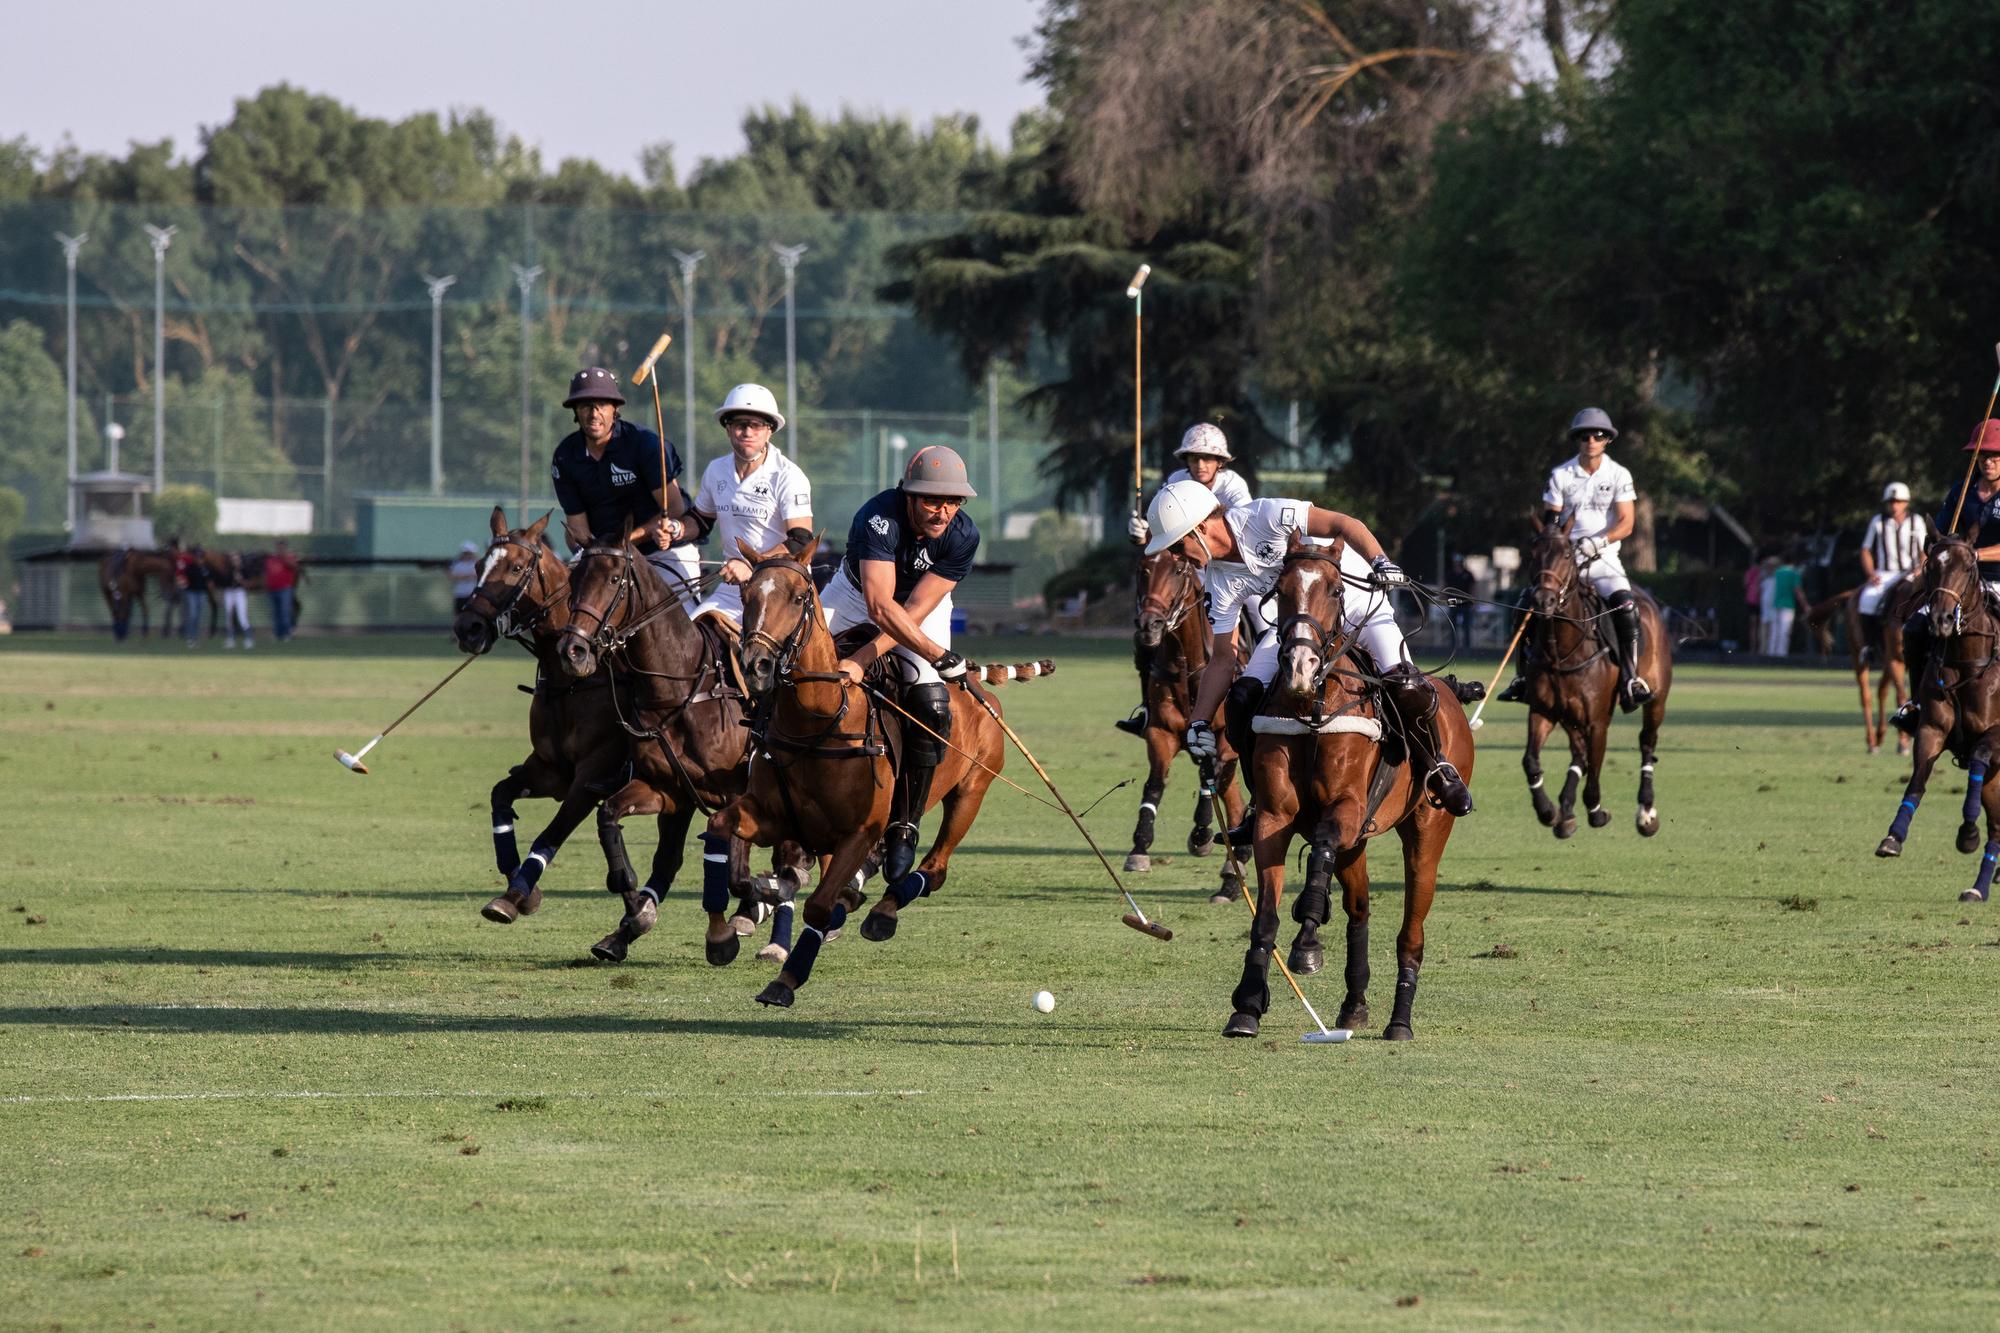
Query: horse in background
(123, 576)
(1883, 649)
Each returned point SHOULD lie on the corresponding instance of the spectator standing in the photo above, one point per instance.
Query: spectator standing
(193, 580)
(281, 578)
(235, 602)
(464, 575)
(1787, 595)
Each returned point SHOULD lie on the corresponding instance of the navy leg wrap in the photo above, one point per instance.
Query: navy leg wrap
(1983, 886)
(1899, 828)
(714, 872)
(909, 888)
(781, 927)
(530, 870)
(506, 852)
(1975, 782)
(800, 964)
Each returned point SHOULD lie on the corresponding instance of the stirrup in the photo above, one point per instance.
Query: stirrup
(1635, 693)
(1516, 691)
(1447, 789)
(1244, 834)
(1904, 719)
(1135, 723)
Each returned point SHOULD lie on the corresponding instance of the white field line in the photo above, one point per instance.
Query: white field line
(34, 1099)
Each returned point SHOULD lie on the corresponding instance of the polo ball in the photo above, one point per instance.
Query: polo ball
(1044, 1002)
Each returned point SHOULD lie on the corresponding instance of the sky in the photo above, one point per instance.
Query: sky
(594, 81)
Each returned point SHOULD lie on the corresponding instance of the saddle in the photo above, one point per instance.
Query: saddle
(721, 638)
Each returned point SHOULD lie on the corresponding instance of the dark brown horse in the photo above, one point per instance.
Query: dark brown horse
(1574, 683)
(1960, 693)
(580, 752)
(1883, 648)
(675, 697)
(1173, 638)
(123, 577)
(1331, 766)
(822, 772)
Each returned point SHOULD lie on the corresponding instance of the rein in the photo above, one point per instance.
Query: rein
(500, 612)
(1551, 579)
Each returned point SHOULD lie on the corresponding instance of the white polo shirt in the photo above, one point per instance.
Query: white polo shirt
(1591, 496)
(756, 509)
(1229, 488)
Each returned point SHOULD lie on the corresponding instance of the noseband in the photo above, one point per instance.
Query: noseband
(785, 652)
(1185, 599)
(624, 584)
(1329, 641)
(1558, 582)
(500, 611)
(1959, 594)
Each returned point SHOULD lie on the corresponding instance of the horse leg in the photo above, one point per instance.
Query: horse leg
(1565, 826)
(1252, 997)
(1539, 726)
(751, 909)
(1159, 757)
(1310, 908)
(1201, 837)
(1231, 889)
(1351, 867)
(1870, 729)
(1896, 672)
(1423, 837)
(524, 891)
(1929, 742)
(1982, 885)
(825, 912)
(958, 808)
(642, 902)
(1593, 793)
(1975, 784)
(532, 777)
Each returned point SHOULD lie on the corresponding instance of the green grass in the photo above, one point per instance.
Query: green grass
(1737, 1075)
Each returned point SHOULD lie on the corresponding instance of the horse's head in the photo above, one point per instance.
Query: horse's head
(780, 607)
(520, 580)
(1169, 588)
(605, 594)
(1309, 604)
(1551, 567)
(1951, 588)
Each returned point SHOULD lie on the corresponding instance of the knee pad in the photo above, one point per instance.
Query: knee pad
(1246, 696)
(930, 704)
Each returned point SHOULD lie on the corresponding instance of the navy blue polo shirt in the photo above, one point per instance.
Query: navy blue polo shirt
(1983, 514)
(615, 492)
(881, 531)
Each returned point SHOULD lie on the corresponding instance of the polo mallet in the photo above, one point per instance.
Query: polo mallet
(1978, 438)
(1476, 721)
(1325, 1036)
(641, 376)
(1133, 291)
(1135, 918)
(352, 762)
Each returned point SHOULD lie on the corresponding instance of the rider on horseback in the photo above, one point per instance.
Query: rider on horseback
(1980, 515)
(906, 550)
(1206, 450)
(1890, 550)
(753, 494)
(1600, 494)
(1241, 553)
(607, 475)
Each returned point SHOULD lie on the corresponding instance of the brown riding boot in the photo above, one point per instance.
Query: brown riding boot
(1413, 697)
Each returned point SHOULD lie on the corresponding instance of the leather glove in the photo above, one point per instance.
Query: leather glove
(950, 666)
(1387, 573)
(1138, 531)
(1200, 742)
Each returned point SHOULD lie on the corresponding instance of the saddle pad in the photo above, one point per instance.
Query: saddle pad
(1331, 726)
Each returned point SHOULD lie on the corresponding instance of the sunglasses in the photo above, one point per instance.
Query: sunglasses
(1592, 435)
(940, 501)
(745, 423)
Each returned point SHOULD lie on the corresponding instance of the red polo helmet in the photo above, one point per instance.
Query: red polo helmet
(1986, 438)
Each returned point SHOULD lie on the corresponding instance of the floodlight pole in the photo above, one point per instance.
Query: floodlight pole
(438, 287)
(788, 257)
(70, 245)
(162, 238)
(690, 261)
(524, 278)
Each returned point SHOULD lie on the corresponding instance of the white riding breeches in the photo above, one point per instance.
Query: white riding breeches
(1365, 615)
(1877, 591)
(846, 608)
(678, 568)
(1606, 574)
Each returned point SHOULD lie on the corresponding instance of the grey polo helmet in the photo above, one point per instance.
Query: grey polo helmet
(1592, 418)
(936, 470)
(593, 384)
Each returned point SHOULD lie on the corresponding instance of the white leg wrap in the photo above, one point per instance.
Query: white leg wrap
(503, 828)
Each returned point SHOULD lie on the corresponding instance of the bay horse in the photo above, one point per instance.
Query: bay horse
(675, 698)
(579, 751)
(1574, 683)
(1884, 649)
(1960, 694)
(822, 773)
(123, 576)
(1332, 767)
(1173, 638)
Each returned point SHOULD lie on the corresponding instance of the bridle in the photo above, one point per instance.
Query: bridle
(1328, 640)
(1559, 582)
(500, 611)
(1957, 591)
(1187, 596)
(785, 652)
(608, 636)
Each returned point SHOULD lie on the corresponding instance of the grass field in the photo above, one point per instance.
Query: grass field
(265, 1066)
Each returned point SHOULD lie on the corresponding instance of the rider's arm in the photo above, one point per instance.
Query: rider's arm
(1621, 523)
(1215, 677)
(1332, 523)
(901, 624)
(1867, 562)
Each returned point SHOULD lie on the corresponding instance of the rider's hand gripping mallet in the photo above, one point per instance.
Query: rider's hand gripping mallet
(1477, 721)
(353, 763)
(1135, 918)
(1973, 462)
(1133, 291)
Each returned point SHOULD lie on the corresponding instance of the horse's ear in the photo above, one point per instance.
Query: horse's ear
(748, 552)
(498, 521)
(1570, 522)
(805, 557)
(538, 527)
(1540, 526)
(1296, 540)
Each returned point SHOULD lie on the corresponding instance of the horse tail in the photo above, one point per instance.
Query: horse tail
(1000, 674)
(1821, 612)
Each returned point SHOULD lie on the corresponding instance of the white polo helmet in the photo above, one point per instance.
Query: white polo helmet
(1206, 440)
(1895, 490)
(754, 398)
(1176, 510)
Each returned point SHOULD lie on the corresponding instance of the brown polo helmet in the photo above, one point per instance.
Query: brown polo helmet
(1985, 439)
(936, 470)
(593, 384)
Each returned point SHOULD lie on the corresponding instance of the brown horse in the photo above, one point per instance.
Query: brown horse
(1174, 639)
(579, 750)
(822, 772)
(1331, 766)
(675, 697)
(1960, 694)
(1574, 683)
(123, 577)
(1883, 648)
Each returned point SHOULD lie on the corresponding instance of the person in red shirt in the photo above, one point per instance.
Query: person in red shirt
(281, 577)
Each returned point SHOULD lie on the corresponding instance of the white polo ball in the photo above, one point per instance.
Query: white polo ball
(1044, 1001)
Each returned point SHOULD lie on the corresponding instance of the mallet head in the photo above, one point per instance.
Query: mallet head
(1476, 723)
(1145, 927)
(351, 762)
(1138, 281)
(1326, 1038)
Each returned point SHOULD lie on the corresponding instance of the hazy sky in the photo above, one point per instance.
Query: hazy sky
(577, 80)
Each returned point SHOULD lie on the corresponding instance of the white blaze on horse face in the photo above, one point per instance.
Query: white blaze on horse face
(492, 560)
(1307, 577)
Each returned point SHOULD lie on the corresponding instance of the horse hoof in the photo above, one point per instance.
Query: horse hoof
(1968, 838)
(1566, 828)
(878, 926)
(1599, 818)
(1546, 814)
(1352, 1018)
(1306, 959)
(1398, 1032)
(1874, 748)
(748, 916)
(722, 952)
(850, 896)
(1240, 1024)
(1138, 863)
(1221, 898)
(778, 995)
(1972, 896)
(611, 949)
(774, 953)
(1201, 842)
(640, 916)
(1890, 846)
(1648, 822)
(500, 911)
